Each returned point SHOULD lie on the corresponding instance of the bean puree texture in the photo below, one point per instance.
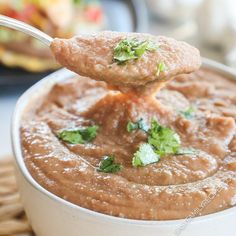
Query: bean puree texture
(169, 189)
(93, 56)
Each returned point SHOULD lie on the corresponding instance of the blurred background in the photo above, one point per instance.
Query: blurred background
(210, 25)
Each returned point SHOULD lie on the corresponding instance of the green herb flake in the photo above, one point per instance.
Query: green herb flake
(160, 68)
(107, 165)
(161, 141)
(131, 126)
(164, 140)
(144, 156)
(189, 113)
(129, 49)
(79, 136)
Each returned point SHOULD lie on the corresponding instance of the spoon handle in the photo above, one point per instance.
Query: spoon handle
(25, 28)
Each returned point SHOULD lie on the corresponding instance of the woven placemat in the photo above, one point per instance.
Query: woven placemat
(13, 220)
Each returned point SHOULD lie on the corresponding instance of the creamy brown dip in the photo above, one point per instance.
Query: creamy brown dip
(93, 56)
(170, 189)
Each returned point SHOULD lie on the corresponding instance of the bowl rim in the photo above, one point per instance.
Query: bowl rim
(64, 74)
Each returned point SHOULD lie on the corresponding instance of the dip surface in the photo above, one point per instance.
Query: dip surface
(170, 189)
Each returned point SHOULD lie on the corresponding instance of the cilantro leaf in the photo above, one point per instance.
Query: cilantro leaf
(160, 68)
(164, 140)
(161, 141)
(144, 156)
(189, 113)
(137, 125)
(82, 135)
(107, 165)
(131, 126)
(129, 49)
(90, 133)
(141, 48)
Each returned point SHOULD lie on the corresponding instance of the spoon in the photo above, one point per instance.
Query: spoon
(25, 28)
(93, 55)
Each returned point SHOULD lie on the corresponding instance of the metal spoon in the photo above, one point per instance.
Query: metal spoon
(25, 28)
(92, 56)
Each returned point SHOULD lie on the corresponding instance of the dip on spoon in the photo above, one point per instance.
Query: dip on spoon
(126, 59)
(130, 60)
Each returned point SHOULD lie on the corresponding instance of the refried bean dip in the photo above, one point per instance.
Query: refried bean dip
(149, 57)
(128, 154)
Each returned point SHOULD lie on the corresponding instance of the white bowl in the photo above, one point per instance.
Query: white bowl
(53, 216)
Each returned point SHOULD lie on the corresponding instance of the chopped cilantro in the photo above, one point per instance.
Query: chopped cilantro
(137, 125)
(90, 133)
(131, 126)
(189, 113)
(160, 68)
(164, 140)
(145, 155)
(161, 141)
(79, 135)
(129, 49)
(107, 165)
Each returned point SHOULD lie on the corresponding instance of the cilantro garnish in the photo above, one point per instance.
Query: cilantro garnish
(189, 113)
(145, 155)
(131, 126)
(160, 68)
(79, 135)
(163, 139)
(129, 49)
(107, 165)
